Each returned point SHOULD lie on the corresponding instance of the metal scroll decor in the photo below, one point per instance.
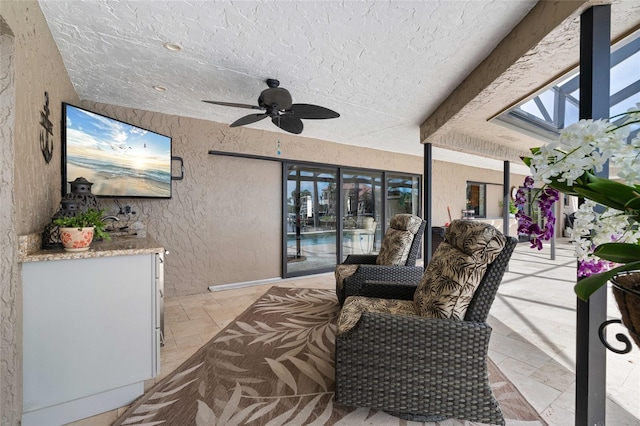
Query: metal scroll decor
(626, 289)
(46, 133)
(619, 337)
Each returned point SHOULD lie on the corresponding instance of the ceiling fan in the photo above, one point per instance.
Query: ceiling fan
(277, 104)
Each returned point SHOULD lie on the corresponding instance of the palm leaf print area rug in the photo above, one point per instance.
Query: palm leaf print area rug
(274, 365)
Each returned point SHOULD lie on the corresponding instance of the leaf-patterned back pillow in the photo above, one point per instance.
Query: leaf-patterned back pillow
(397, 241)
(456, 269)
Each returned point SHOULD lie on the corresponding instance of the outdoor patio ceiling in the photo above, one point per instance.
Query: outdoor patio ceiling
(555, 108)
(530, 59)
(384, 66)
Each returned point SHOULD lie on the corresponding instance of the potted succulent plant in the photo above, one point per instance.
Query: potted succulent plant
(77, 232)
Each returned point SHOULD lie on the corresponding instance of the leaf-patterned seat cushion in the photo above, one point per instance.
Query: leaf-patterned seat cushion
(456, 269)
(342, 272)
(396, 243)
(355, 305)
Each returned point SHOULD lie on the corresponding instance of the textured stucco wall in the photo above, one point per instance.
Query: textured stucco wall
(450, 189)
(9, 356)
(223, 224)
(31, 65)
(39, 68)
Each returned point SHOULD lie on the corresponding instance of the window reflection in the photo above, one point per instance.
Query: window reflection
(316, 207)
(402, 195)
(311, 219)
(476, 200)
(362, 208)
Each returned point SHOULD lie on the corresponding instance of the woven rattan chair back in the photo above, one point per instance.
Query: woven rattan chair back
(484, 295)
(416, 245)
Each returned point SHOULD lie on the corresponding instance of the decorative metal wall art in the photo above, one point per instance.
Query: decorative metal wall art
(46, 134)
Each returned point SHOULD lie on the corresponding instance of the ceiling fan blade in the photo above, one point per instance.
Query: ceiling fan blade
(248, 119)
(312, 112)
(231, 104)
(289, 123)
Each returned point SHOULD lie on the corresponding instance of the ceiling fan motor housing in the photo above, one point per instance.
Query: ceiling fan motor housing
(277, 98)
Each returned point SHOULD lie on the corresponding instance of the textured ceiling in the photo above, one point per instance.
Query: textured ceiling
(384, 66)
(543, 47)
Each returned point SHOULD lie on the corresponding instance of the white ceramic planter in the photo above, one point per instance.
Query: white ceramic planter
(76, 239)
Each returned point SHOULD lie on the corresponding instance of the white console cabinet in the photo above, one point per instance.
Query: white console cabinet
(91, 334)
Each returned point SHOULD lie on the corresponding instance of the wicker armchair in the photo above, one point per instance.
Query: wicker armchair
(395, 262)
(394, 355)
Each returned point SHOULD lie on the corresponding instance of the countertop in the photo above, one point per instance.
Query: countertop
(122, 245)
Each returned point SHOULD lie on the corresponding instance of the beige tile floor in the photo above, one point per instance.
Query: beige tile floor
(533, 340)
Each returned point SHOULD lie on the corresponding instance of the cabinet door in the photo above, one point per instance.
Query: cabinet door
(89, 326)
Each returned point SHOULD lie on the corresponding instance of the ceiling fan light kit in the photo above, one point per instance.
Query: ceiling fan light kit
(276, 102)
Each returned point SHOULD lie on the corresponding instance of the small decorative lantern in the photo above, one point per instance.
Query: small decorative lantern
(80, 199)
(81, 191)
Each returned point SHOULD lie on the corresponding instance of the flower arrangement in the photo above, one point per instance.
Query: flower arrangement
(606, 226)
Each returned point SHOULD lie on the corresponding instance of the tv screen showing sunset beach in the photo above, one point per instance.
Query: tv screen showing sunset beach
(121, 160)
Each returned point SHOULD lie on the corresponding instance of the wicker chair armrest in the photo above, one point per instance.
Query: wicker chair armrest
(410, 274)
(353, 285)
(390, 289)
(360, 259)
(448, 336)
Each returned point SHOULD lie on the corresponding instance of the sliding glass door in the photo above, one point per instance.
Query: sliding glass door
(361, 212)
(403, 195)
(310, 222)
(331, 212)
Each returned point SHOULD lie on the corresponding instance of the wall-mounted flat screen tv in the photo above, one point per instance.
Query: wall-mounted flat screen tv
(120, 159)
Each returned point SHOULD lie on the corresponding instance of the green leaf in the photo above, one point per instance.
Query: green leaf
(599, 198)
(563, 187)
(624, 195)
(91, 217)
(618, 252)
(587, 286)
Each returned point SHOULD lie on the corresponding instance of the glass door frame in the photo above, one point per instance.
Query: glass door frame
(286, 165)
(386, 174)
(379, 211)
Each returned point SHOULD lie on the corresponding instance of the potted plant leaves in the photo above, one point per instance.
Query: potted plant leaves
(77, 232)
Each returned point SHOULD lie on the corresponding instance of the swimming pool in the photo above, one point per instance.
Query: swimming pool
(312, 238)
